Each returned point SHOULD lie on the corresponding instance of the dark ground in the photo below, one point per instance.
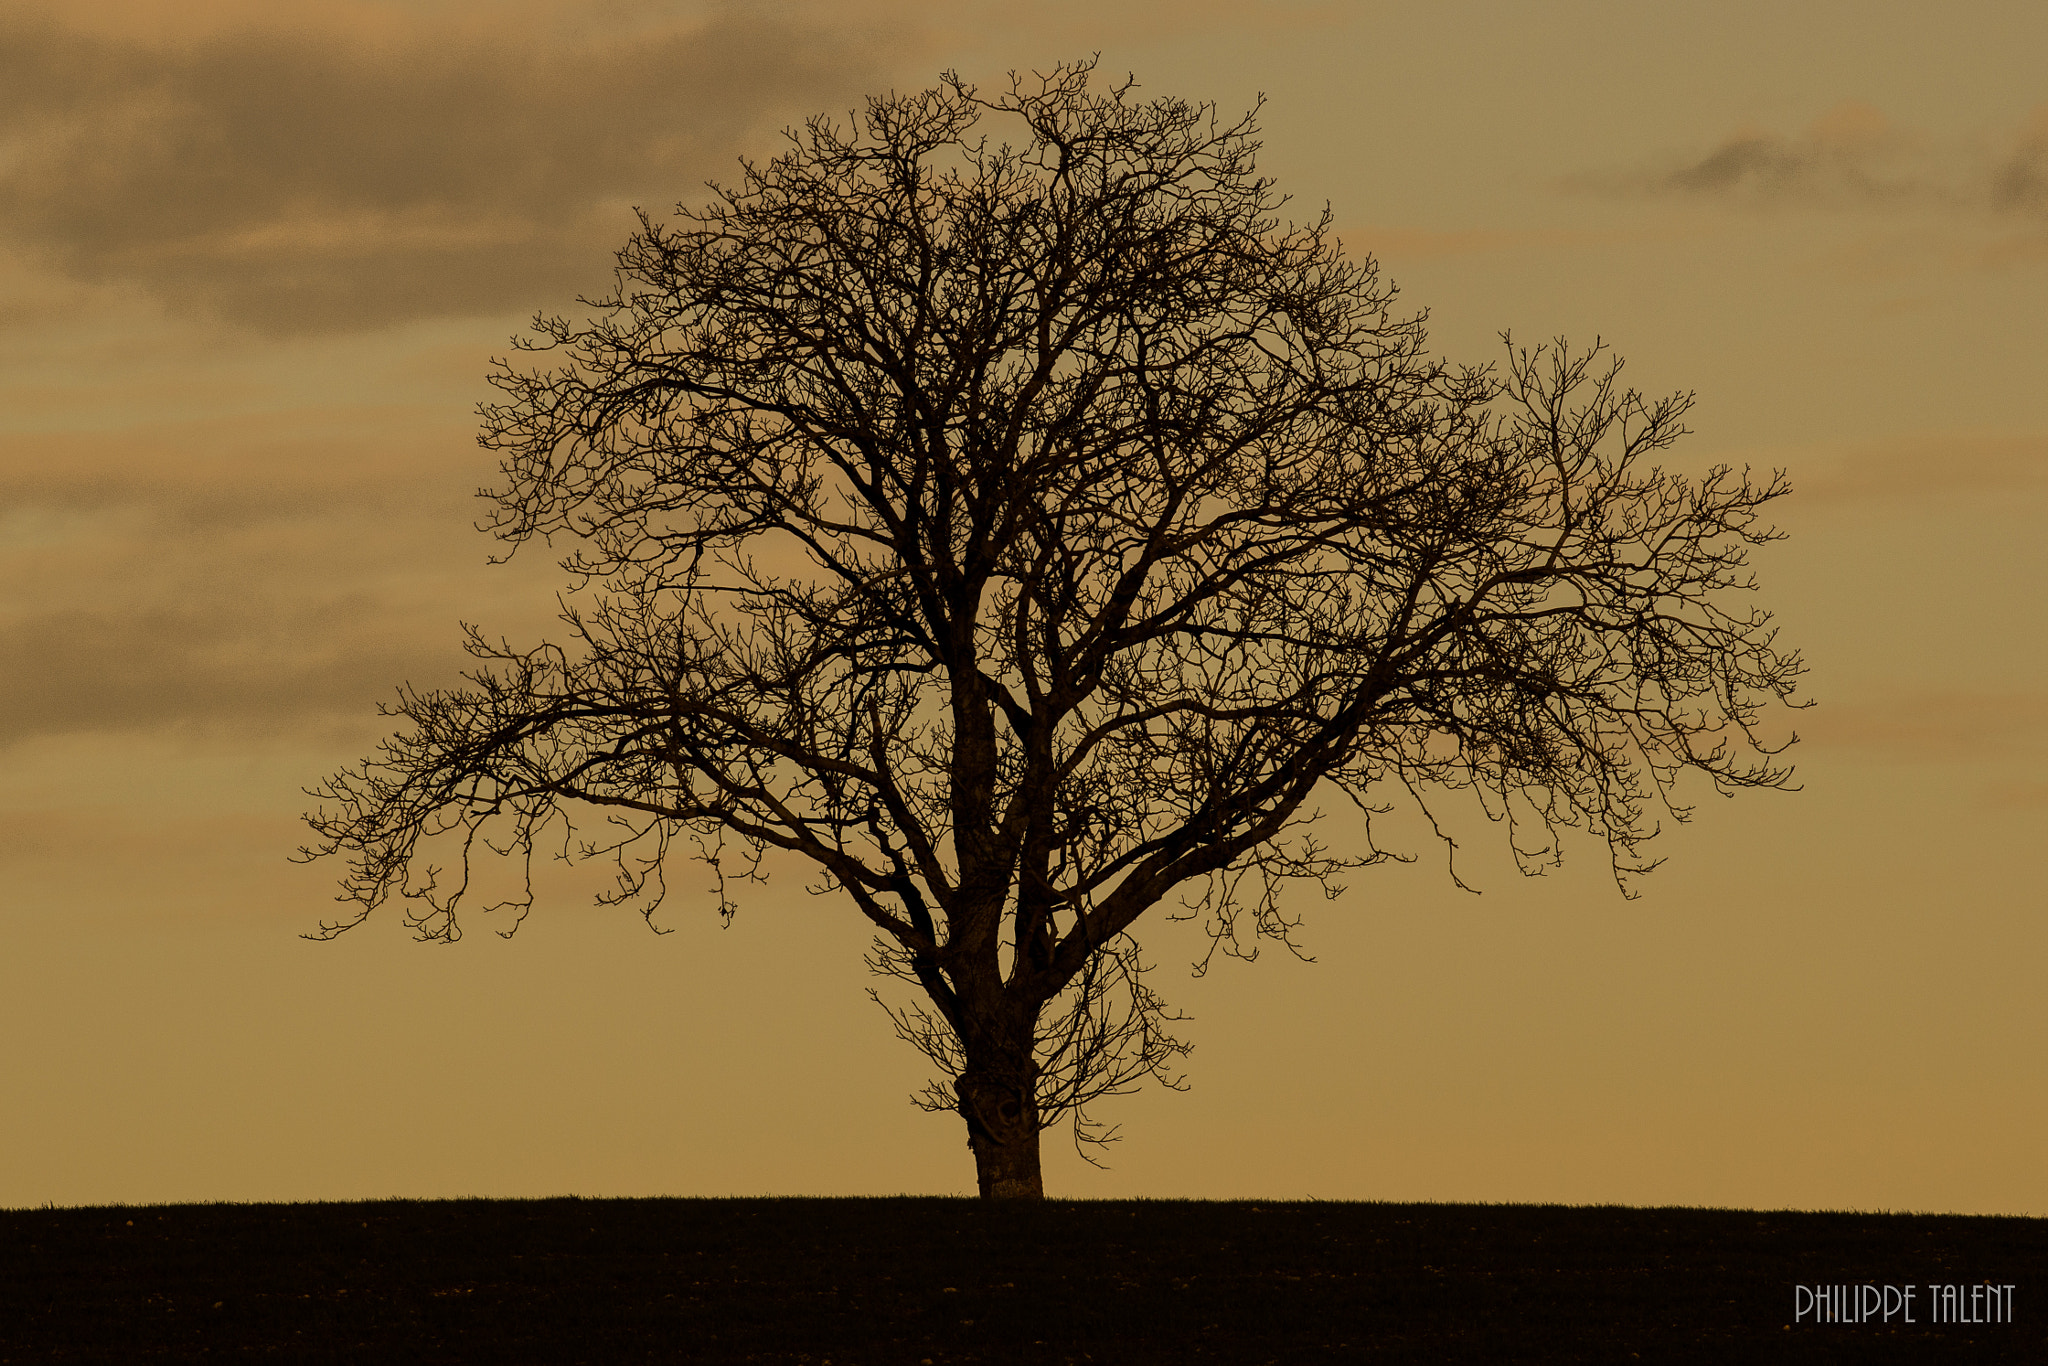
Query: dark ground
(855, 1282)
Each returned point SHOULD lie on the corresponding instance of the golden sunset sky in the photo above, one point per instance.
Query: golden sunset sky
(255, 258)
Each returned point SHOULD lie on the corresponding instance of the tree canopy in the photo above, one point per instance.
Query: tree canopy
(995, 502)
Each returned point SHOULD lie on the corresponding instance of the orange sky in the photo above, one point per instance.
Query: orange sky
(254, 259)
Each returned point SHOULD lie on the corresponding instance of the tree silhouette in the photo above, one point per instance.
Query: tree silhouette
(1026, 533)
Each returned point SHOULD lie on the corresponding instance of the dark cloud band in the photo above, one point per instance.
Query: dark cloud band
(1852, 158)
(295, 184)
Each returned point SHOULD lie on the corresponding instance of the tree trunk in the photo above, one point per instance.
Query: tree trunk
(1002, 1129)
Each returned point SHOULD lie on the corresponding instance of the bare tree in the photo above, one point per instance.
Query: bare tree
(1028, 532)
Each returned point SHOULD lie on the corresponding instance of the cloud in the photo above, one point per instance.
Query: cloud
(2017, 796)
(206, 486)
(1852, 157)
(1082, 26)
(299, 181)
(2020, 182)
(1934, 726)
(1922, 467)
(1853, 154)
(245, 575)
(1425, 244)
(74, 670)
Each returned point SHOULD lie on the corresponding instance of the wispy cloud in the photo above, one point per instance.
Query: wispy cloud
(74, 670)
(1920, 467)
(301, 181)
(235, 577)
(1424, 244)
(2017, 796)
(1084, 25)
(1852, 157)
(2020, 182)
(1933, 726)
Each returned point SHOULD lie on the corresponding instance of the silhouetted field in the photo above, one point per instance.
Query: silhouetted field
(855, 1282)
